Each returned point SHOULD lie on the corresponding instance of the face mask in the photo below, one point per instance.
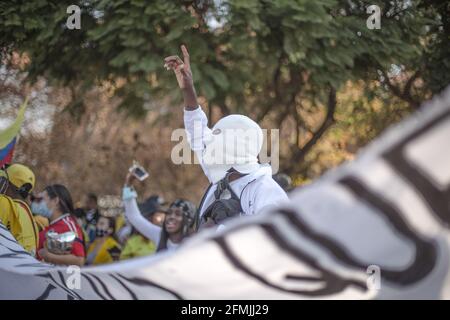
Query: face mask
(100, 232)
(235, 142)
(40, 208)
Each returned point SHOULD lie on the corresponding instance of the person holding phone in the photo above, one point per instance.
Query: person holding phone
(177, 226)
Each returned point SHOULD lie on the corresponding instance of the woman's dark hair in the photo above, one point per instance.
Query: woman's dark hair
(189, 210)
(65, 199)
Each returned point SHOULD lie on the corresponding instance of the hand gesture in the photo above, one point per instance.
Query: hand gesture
(182, 68)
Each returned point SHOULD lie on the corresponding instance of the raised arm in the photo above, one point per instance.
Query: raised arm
(195, 120)
(134, 216)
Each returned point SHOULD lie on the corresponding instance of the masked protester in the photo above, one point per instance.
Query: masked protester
(228, 155)
(57, 206)
(178, 222)
(41, 221)
(16, 183)
(104, 249)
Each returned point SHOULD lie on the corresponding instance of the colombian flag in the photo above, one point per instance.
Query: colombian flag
(8, 137)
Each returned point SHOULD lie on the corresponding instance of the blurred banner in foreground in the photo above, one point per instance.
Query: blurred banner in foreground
(374, 228)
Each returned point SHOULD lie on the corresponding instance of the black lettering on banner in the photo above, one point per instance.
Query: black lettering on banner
(132, 294)
(333, 283)
(62, 286)
(46, 292)
(12, 255)
(32, 264)
(94, 286)
(437, 200)
(5, 237)
(426, 250)
(144, 282)
(104, 286)
(18, 252)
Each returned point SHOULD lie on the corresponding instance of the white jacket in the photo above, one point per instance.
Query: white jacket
(256, 190)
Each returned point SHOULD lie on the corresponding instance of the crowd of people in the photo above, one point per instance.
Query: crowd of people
(49, 226)
(142, 229)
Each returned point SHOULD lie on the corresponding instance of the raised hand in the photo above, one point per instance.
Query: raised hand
(182, 68)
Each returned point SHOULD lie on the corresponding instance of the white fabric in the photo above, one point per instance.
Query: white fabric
(172, 245)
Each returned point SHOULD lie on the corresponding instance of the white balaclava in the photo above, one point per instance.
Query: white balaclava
(235, 142)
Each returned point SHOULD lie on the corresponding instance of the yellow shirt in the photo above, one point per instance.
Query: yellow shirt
(19, 221)
(120, 222)
(137, 246)
(41, 222)
(30, 232)
(108, 251)
(9, 215)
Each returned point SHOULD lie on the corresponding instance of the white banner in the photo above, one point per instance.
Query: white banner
(374, 228)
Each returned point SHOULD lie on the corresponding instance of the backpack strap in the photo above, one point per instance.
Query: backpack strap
(197, 216)
(223, 185)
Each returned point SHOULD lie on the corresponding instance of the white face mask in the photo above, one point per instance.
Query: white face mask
(41, 208)
(235, 143)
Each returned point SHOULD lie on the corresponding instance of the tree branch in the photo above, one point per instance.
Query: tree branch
(329, 120)
(404, 94)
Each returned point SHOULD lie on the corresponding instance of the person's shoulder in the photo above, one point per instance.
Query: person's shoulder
(21, 203)
(267, 184)
(65, 224)
(73, 222)
(111, 242)
(9, 209)
(59, 226)
(5, 206)
(4, 198)
(22, 207)
(7, 202)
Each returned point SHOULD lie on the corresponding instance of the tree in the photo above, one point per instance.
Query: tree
(278, 61)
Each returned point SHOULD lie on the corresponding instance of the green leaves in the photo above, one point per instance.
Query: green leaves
(263, 44)
(13, 20)
(217, 76)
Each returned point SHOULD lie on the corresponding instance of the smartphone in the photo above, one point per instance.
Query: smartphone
(138, 171)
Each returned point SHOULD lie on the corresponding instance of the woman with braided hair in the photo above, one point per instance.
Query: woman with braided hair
(178, 223)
